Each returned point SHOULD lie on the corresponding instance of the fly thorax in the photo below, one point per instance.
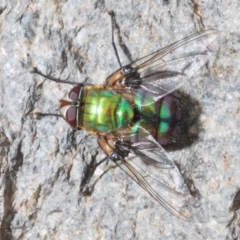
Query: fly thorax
(106, 111)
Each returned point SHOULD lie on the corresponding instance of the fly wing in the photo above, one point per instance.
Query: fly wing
(168, 68)
(153, 170)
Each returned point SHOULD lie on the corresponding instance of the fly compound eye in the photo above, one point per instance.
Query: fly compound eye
(74, 93)
(70, 115)
(70, 104)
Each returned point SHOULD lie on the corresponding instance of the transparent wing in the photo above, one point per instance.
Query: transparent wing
(168, 68)
(153, 170)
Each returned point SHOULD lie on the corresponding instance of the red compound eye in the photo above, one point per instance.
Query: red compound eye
(74, 93)
(70, 105)
(71, 116)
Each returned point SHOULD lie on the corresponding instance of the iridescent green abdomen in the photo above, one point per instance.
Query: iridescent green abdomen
(161, 118)
(105, 111)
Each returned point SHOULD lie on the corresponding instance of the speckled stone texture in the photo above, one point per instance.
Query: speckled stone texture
(44, 163)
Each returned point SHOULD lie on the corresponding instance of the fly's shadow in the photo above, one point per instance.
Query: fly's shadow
(189, 124)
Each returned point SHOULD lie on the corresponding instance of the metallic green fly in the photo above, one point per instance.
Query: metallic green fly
(132, 112)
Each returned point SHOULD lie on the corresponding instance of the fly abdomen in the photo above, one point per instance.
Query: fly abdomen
(170, 120)
(162, 118)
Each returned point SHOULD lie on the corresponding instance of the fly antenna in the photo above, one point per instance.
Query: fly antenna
(40, 115)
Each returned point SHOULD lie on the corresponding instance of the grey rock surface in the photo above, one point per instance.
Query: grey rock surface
(44, 162)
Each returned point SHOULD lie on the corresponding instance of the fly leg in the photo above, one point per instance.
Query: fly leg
(113, 148)
(111, 13)
(89, 180)
(36, 70)
(126, 76)
(110, 145)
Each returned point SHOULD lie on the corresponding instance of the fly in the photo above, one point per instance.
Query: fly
(132, 112)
